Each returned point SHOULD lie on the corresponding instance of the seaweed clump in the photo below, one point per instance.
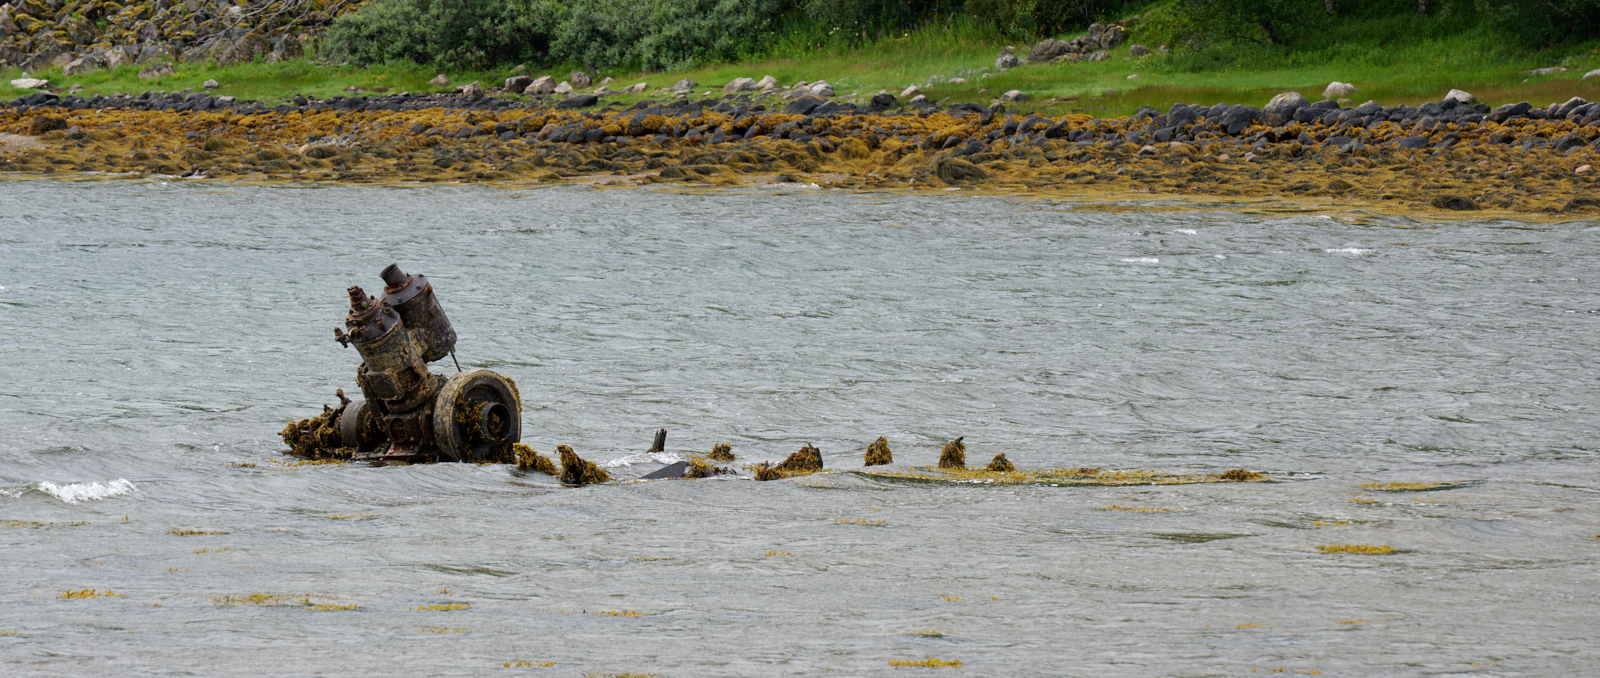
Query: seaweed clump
(576, 471)
(1001, 465)
(878, 453)
(954, 454)
(1238, 475)
(807, 460)
(318, 437)
(700, 469)
(529, 459)
(721, 452)
(765, 472)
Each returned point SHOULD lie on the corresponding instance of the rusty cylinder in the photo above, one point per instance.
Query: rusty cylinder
(412, 297)
(391, 369)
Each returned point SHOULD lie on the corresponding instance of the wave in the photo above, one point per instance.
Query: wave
(73, 493)
(1349, 250)
(1142, 260)
(643, 458)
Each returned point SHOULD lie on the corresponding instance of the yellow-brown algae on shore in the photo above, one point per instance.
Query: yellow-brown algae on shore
(577, 471)
(878, 453)
(954, 455)
(1000, 464)
(721, 452)
(1518, 166)
(529, 459)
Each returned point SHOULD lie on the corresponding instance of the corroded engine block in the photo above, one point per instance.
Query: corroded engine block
(408, 414)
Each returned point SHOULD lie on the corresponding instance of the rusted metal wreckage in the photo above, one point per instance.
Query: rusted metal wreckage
(406, 413)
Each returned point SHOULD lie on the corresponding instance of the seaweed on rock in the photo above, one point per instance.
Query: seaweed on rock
(721, 452)
(1001, 465)
(954, 454)
(807, 460)
(878, 453)
(577, 471)
(529, 459)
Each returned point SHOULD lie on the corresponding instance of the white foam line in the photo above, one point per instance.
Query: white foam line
(643, 458)
(73, 493)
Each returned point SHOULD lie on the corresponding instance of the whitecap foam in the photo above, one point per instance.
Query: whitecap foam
(1186, 231)
(73, 493)
(643, 458)
(1357, 251)
(1141, 260)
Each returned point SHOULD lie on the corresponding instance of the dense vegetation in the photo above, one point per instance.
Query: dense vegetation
(668, 34)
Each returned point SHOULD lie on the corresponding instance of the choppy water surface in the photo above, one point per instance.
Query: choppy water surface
(157, 336)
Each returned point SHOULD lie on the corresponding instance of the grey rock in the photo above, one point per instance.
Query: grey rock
(472, 90)
(541, 85)
(1592, 74)
(579, 79)
(563, 87)
(1013, 95)
(1547, 71)
(1101, 55)
(1006, 60)
(210, 84)
(30, 83)
(739, 85)
(1138, 50)
(684, 85)
(909, 92)
(1282, 107)
(1338, 90)
(156, 71)
(767, 83)
(1461, 97)
(636, 88)
(518, 84)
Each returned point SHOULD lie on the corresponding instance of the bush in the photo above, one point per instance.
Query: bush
(642, 34)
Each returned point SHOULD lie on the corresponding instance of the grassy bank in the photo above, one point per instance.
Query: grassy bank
(1385, 62)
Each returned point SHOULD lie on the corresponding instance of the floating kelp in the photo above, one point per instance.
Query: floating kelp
(1408, 487)
(1053, 477)
(763, 471)
(1359, 549)
(530, 460)
(698, 468)
(721, 452)
(878, 453)
(576, 471)
(954, 455)
(1239, 475)
(1001, 465)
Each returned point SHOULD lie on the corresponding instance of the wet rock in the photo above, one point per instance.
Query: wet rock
(1454, 202)
(530, 460)
(739, 85)
(883, 101)
(156, 71)
(579, 79)
(440, 81)
(721, 452)
(518, 84)
(803, 106)
(577, 471)
(1000, 465)
(1338, 90)
(541, 85)
(1282, 108)
(1137, 50)
(954, 454)
(878, 453)
(1013, 96)
(807, 459)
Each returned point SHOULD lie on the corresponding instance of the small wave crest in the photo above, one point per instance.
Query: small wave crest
(1356, 251)
(1186, 231)
(73, 493)
(1141, 260)
(643, 458)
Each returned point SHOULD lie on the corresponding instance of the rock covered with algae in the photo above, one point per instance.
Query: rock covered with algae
(1238, 475)
(954, 454)
(878, 453)
(721, 452)
(766, 472)
(577, 471)
(807, 460)
(529, 459)
(700, 469)
(1000, 464)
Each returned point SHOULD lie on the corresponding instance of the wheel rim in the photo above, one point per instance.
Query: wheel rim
(477, 417)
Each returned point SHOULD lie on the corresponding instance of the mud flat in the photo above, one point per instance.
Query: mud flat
(1439, 157)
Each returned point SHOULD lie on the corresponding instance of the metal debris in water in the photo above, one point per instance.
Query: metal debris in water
(408, 414)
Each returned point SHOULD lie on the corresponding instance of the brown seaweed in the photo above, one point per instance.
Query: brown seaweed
(1001, 465)
(721, 452)
(954, 454)
(529, 459)
(878, 453)
(577, 471)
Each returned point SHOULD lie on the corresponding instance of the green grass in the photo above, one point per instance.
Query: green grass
(1390, 60)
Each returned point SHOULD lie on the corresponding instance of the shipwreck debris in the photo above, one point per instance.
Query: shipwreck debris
(878, 453)
(954, 454)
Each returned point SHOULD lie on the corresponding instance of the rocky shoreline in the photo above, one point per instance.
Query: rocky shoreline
(1454, 154)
